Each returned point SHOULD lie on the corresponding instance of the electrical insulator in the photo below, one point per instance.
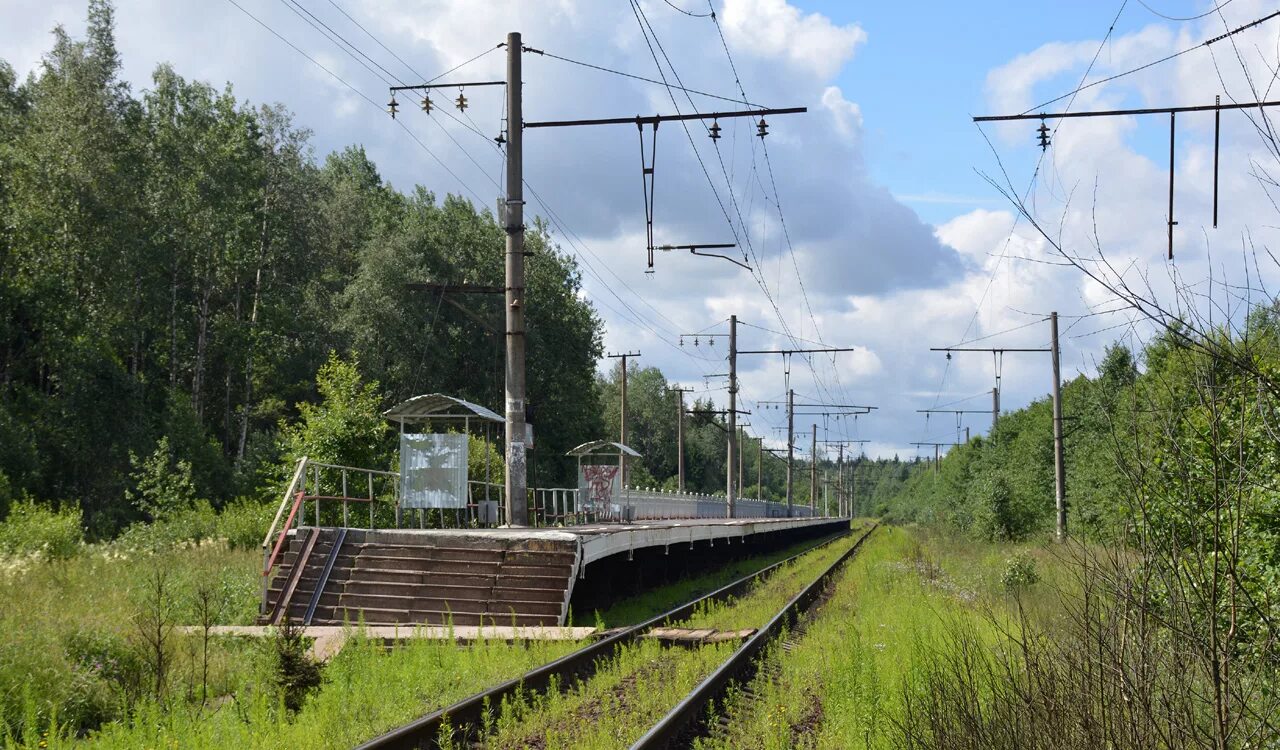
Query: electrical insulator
(392, 106)
(1043, 130)
(501, 139)
(426, 104)
(711, 342)
(695, 340)
(714, 130)
(461, 101)
(762, 128)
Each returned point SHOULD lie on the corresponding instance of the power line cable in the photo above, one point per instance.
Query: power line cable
(1030, 186)
(335, 38)
(647, 80)
(776, 198)
(1211, 11)
(1153, 63)
(690, 13)
(376, 40)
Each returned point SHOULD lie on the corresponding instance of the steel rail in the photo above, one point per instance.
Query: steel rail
(467, 715)
(678, 722)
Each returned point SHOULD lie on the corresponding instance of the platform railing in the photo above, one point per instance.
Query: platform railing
(332, 484)
(640, 504)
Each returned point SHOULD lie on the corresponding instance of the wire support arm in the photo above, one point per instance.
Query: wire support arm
(654, 119)
(1125, 112)
(1001, 350)
(466, 84)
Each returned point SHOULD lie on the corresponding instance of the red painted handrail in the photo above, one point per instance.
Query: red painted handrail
(284, 531)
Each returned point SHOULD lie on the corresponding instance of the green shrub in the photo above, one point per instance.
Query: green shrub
(163, 482)
(1019, 572)
(181, 526)
(244, 522)
(37, 529)
(297, 674)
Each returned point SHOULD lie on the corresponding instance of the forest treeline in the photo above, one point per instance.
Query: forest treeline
(1165, 635)
(177, 265)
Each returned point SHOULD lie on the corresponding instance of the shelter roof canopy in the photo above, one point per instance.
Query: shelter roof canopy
(595, 447)
(438, 406)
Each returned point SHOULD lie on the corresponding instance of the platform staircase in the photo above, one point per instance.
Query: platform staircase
(329, 576)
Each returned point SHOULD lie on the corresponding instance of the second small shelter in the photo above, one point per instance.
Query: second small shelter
(600, 465)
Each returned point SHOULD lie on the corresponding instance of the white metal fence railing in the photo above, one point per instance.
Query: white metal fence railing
(638, 504)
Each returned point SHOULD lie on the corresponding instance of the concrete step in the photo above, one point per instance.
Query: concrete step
(340, 615)
(453, 590)
(425, 552)
(388, 575)
(427, 565)
(393, 579)
(554, 571)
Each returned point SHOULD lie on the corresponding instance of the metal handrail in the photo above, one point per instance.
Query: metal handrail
(284, 534)
(353, 468)
(298, 474)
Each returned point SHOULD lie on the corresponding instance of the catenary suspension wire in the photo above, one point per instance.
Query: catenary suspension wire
(1153, 63)
(604, 69)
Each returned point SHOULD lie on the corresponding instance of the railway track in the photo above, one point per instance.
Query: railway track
(687, 721)
(461, 723)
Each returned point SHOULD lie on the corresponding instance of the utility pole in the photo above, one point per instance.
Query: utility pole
(733, 398)
(742, 444)
(853, 487)
(680, 434)
(841, 498)
(791, 442)
(813, 467)
(731, 501)
(760, 471)
(840, 482)
(959, 413)
(622, 416)
(995, 407)
(517, 468)
(936, 454)
(1055, 353)
(1059, 470)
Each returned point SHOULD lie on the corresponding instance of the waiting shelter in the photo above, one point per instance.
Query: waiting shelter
(434, 465)
(600, 490)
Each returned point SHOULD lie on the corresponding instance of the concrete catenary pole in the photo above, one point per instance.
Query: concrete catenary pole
(840, 482)
(995, 407)
(622, 416)
(731, 457)
(680, 436)
(1059, 469)
(760, 470)
(517, 469)
(813, 468)
(791, 443)
(622, 422)
(742, 445)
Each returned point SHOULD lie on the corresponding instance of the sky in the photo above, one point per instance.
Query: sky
(873, 221)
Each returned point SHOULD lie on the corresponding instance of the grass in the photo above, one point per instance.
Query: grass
(637, 609)
(765, 598)
(70, 642)
(633, 691)
(844, 682)
(75, 670)
(645, 679)
(367, 690)
(72, 657)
